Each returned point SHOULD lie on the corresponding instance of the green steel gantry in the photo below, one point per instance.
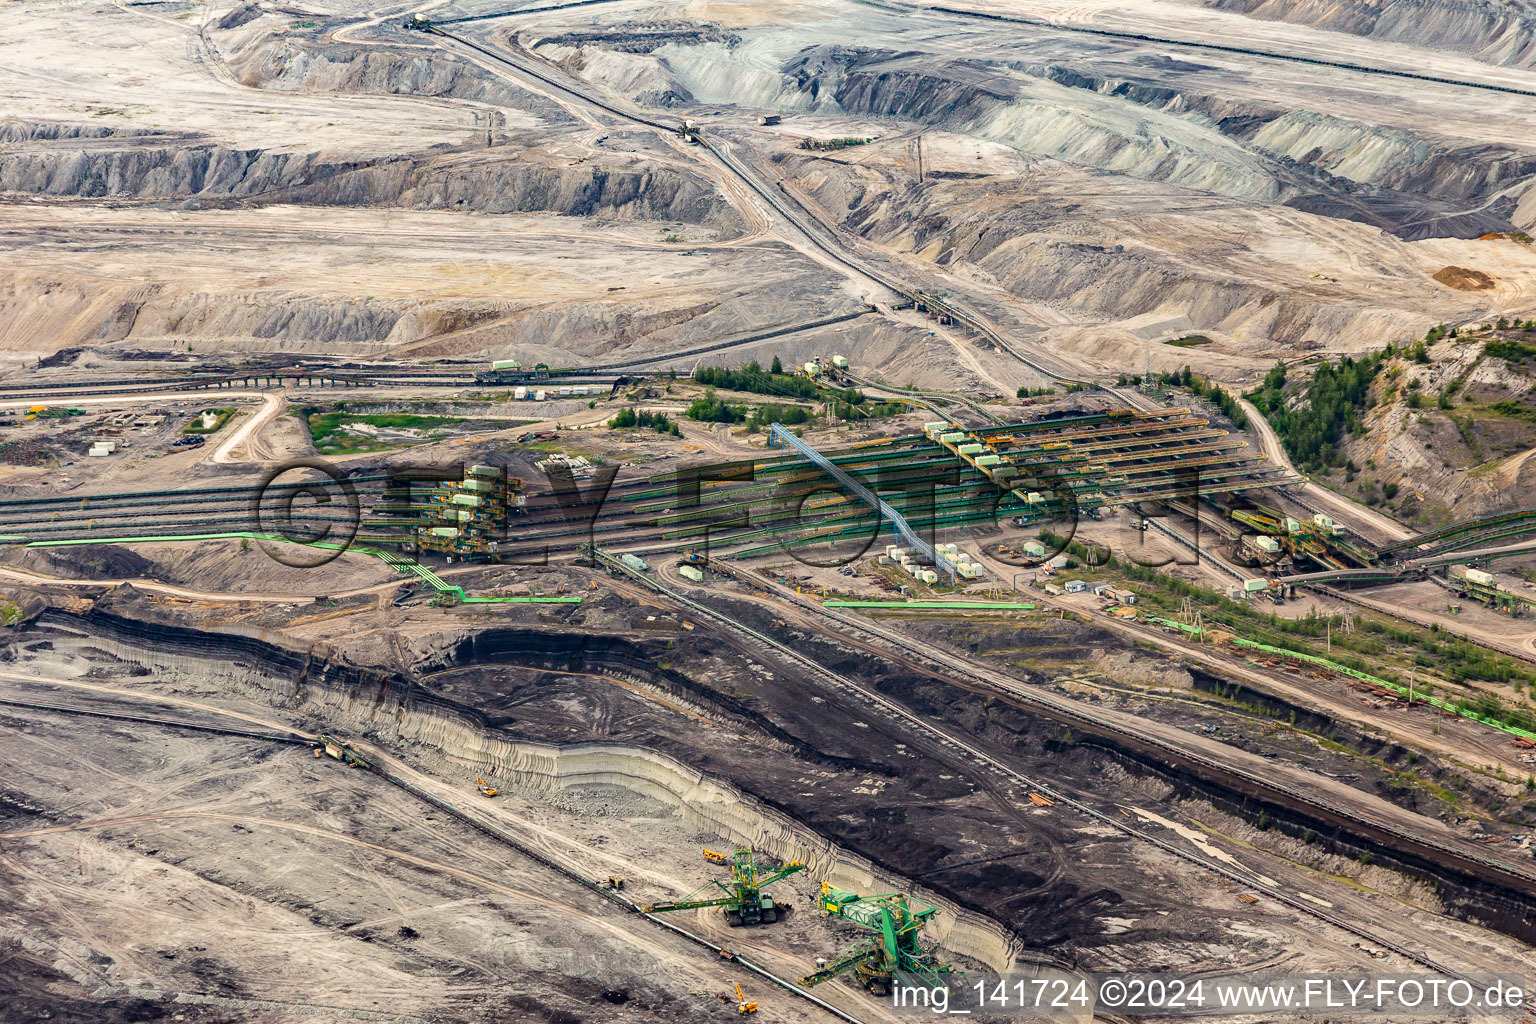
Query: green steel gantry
(890, 948)
(460, 518)
(743, 897)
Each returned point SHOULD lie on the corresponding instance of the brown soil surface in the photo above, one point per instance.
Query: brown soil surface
(1464, 280)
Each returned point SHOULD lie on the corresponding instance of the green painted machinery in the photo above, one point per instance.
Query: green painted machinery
(890, 948)
(744, 897)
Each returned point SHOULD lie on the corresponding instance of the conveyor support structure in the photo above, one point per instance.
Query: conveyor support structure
(778, 433)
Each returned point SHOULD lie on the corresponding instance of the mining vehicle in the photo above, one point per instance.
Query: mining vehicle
(744, 897)
(890, 948)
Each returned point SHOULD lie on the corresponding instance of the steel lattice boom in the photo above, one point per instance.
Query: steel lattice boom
(778, 433)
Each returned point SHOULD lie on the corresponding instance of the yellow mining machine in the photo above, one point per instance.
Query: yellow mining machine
(744, 897)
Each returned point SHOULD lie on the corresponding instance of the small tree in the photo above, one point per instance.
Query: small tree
(777, 366)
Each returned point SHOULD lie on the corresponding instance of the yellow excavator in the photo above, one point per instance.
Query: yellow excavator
(742, 1006)
(486, 789)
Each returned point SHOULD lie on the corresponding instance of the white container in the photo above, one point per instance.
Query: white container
(1480, 577)
(520, 393)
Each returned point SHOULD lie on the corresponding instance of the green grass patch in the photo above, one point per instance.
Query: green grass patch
(822, 145)
(1192, 341)
(1510, 351)
(1513, 411)
(196, 426)
(329, 433)
(629, 419)
(1387, 648)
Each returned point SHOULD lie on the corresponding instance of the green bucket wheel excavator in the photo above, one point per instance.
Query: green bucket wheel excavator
(890, 948)
(743, 897)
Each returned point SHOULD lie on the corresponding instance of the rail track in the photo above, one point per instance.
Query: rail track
(738, 342)
(264, 379)
(767, 508)
(1073, 715)
(918, 393)
(611, 374)
(524, 10)
(1093, 723)
(1509, 650)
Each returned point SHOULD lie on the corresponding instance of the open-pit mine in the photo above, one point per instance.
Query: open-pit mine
(678, 510)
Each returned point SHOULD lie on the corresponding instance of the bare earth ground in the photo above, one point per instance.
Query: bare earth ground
(188, 187)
